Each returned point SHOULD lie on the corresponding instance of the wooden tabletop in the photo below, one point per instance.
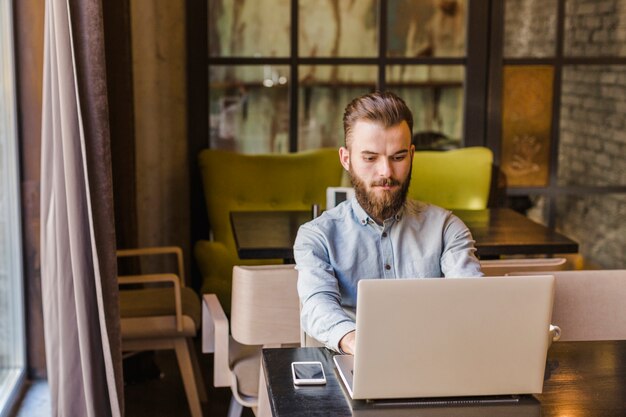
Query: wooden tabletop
(583, 379)
(497, 231)
(266, 234)
(502, 231)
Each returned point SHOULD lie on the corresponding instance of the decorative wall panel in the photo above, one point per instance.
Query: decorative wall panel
(526, 125)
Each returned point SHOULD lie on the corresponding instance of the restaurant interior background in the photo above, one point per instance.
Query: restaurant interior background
(542, 83)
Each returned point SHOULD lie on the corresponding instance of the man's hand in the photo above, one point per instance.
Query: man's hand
(348, 343)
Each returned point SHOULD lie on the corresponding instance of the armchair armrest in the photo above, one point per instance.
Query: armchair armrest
(159, 278)
(162, 250)
(215, 339)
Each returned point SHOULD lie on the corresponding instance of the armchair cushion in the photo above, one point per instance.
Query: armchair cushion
(454, 179)
(234, 182)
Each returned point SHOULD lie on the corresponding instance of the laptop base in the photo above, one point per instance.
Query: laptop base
(498, 406)
(442, 401)
(525, 405)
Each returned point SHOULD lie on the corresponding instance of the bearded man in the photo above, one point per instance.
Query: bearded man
(379, 233)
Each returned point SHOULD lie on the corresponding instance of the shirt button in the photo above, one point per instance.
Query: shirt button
(387, 267)
(384, 234)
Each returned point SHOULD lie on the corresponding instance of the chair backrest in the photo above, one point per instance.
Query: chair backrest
(265, 309)
(454, 179)
(499, 267)
(292, 181)
(589, 304)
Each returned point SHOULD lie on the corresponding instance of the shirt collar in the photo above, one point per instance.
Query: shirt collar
(365, 218)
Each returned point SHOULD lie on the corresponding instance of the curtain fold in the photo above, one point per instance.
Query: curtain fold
(78, 269)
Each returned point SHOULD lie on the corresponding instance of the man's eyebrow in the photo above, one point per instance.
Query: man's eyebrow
(400, 152)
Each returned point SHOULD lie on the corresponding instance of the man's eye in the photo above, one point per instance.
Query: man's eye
(399, 157)
(369, 158)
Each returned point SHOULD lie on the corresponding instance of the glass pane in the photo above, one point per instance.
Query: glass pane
(249, 108)
(529, 28)
(249, 28)
(426, 28)
(325, 91)
(595, 28)
(435, 95)
(592, 142)
(526, 125)
(12, 345)
(338, 28)
(596, 222)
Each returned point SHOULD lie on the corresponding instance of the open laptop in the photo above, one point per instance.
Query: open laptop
(452, 337)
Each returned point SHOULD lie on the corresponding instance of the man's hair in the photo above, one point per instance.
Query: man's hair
(385, 108)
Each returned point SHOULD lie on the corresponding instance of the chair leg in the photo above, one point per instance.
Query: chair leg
(234, 409)
(263, 406)
(187, 373)
(197, 373)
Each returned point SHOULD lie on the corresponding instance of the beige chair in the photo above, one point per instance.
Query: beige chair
(264, 313)
(158, 312)
(499, 267)
(589, 304)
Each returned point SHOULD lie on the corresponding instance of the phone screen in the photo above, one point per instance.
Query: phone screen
(307, 373)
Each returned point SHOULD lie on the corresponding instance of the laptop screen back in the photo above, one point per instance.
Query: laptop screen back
(451, 337)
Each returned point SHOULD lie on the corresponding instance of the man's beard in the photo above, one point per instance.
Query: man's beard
(384, 206)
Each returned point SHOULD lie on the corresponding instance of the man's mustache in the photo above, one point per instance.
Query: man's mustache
(385, 182)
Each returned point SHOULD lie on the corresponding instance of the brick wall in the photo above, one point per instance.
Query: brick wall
(529, 28)
(592, 152)
(592, 147)
(595, 27)
(597, 223)
(592, 144)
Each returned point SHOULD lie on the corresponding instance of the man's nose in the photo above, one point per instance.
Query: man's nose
(384, 168)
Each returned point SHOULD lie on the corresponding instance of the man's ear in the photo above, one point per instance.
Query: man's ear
(344, 158)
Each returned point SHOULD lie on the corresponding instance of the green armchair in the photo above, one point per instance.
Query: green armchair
(454, 179)
(235, 182)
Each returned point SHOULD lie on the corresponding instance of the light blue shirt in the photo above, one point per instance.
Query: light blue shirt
(344, 245)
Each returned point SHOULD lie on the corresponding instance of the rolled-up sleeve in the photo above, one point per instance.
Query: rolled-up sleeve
(322, 316)
(458, 258)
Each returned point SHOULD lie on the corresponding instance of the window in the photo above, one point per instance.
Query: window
(12, 349)
(282, 71)
(563, 118)
(539, 82)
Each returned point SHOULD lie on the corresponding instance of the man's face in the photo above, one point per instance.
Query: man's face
(379, 162)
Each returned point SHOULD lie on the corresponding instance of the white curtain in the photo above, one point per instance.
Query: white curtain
(77, 230)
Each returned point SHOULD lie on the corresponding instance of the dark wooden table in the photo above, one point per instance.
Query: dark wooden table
(501, 231)
(583, 379)
(266, 234)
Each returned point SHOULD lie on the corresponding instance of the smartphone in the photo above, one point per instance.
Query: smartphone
(308, 373)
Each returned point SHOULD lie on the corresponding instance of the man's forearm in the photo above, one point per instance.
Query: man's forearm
(326, 321)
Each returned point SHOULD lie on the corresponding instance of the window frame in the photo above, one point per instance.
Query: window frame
(11, 385)
(475, 63)
(552, 191)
